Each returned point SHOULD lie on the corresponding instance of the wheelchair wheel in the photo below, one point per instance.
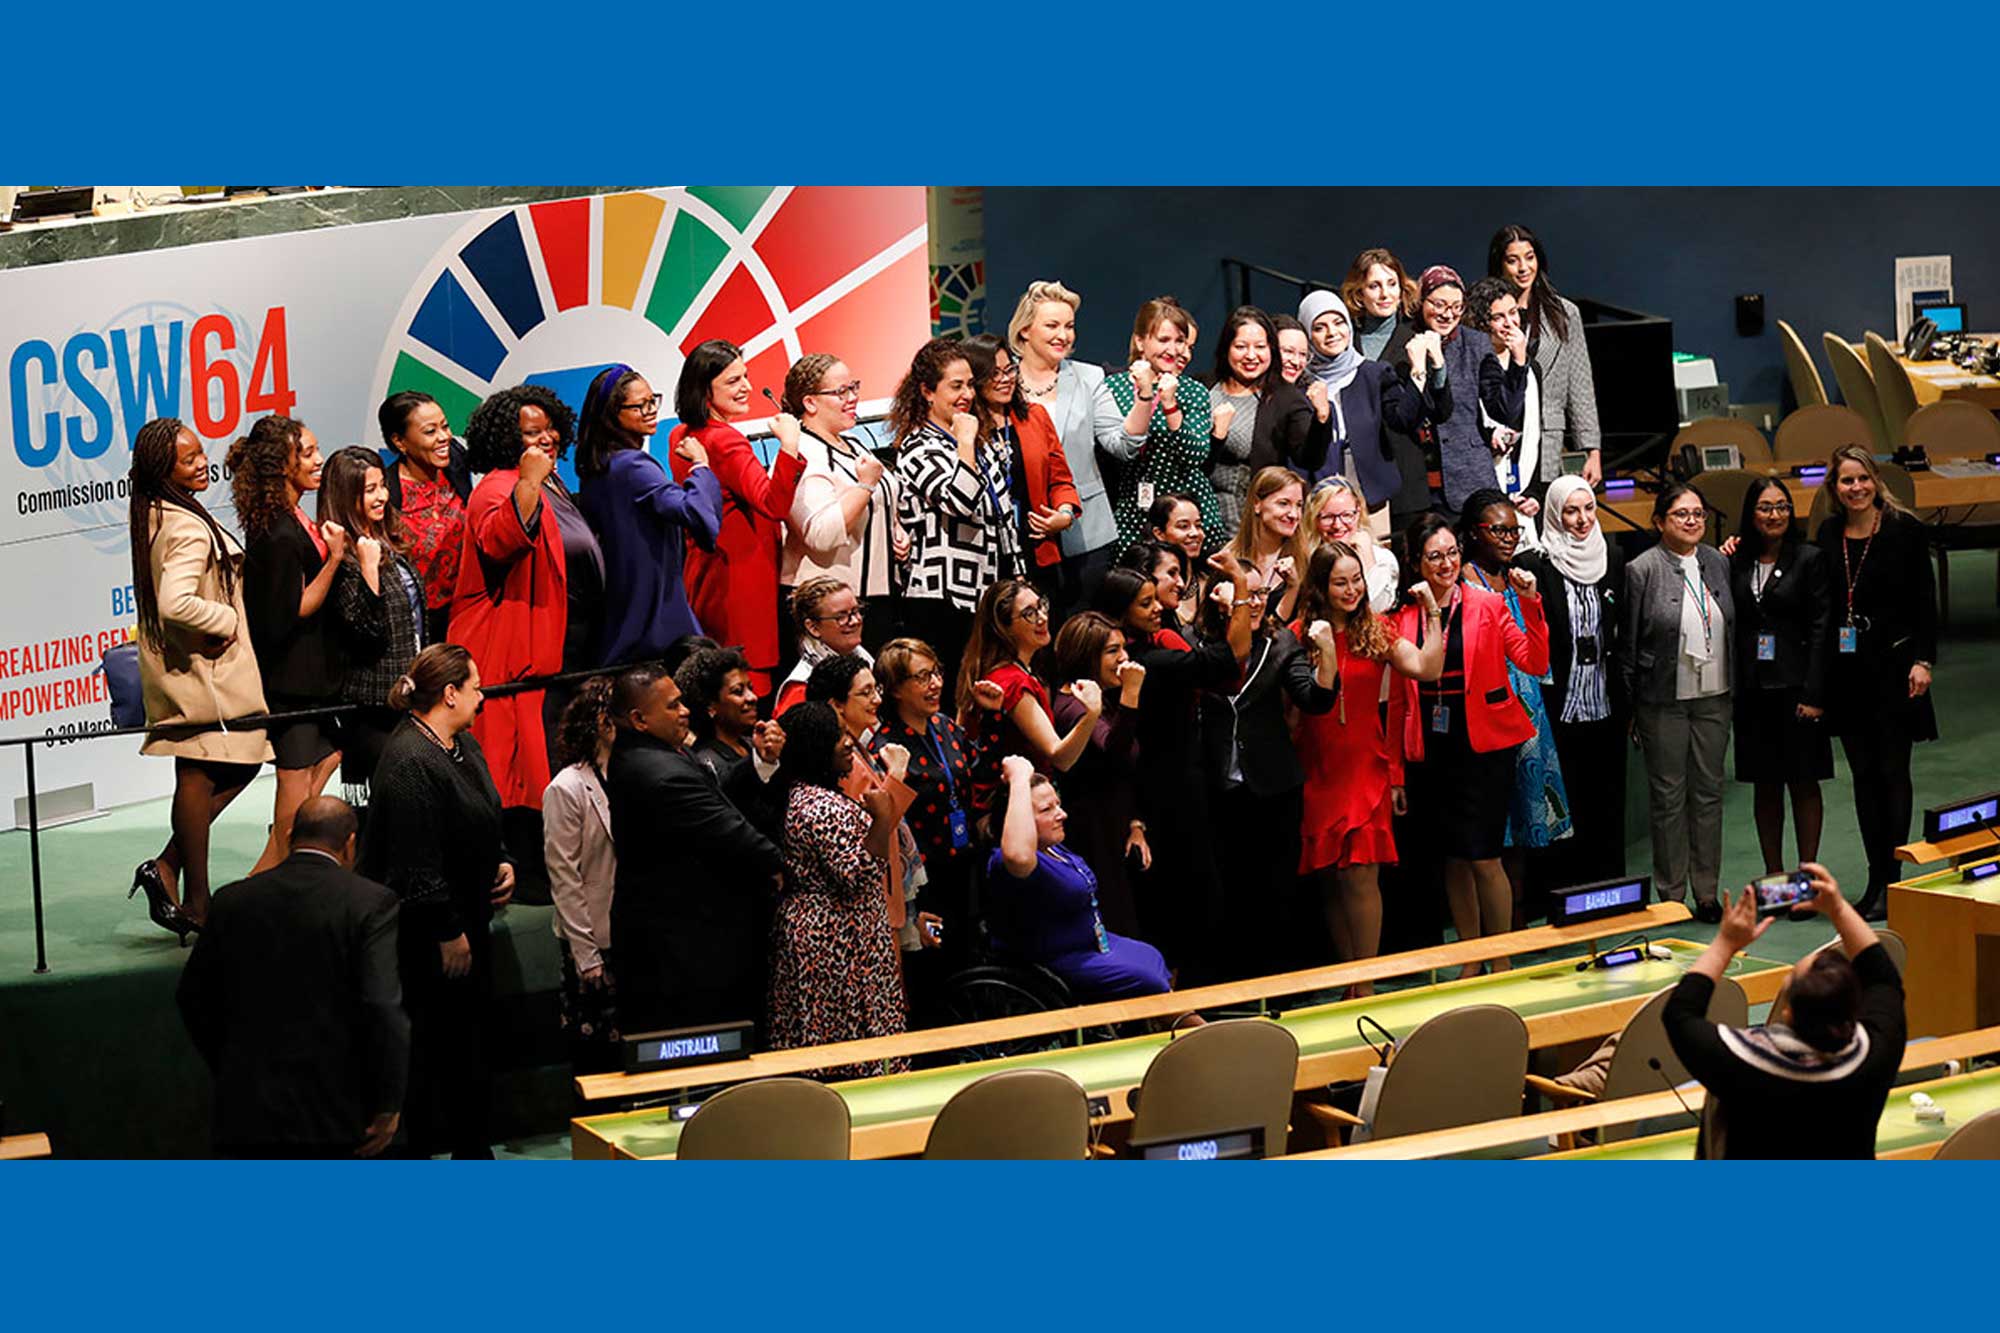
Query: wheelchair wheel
(994, 991)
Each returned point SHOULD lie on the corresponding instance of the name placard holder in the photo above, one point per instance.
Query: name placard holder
(676, 1047)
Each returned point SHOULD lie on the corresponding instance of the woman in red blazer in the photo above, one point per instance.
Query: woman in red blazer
(510, 608)
(1460, 733)
(734, 588)
(1045, 494)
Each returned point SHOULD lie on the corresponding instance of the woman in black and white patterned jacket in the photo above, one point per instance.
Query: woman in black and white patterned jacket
(957, 501)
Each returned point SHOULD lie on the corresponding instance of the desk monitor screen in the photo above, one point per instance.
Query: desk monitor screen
(1949, 316)
(1587, 902)
(1984, 870)
(1229, 1145)
(1960, 817)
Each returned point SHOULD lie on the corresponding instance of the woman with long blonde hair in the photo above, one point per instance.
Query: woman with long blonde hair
(1334, 513)
(1271, 537)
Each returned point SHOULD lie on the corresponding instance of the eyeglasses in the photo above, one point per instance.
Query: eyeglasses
(1004, 372)
(1257, 595)
(645, 406)
(851, 617)
(848, 390)
(1688, 515)
(1441, 557)
(1038, 614)
(1342, 516)
(1774, 510)
(1502, 532)
(866, 692)
(928, 676)
(1453, 310)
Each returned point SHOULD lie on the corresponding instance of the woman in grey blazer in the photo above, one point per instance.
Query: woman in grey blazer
(1679, 623)
(1042, 334)
(1562, 360)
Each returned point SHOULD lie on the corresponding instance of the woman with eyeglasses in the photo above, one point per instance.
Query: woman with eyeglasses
(1042, 489)
(1885, 642)
(831, 622)
(1352, 754)
(1457, 447)
(999, 677)
(1490, 531)
(1462, 733)
(1182, 906)
(1270, 538)
(1366, 401)
(1102, 787)
(1258, 419)
(643, 517)
(1042, 335)
(1333, 514)
(1383, 301)
(1158, 436)
(734, 587)
(1784, 636)
(1582, 577)
(1680, 622)
(1554, 329)
(844, 522)
(956, 505)
(945, 761)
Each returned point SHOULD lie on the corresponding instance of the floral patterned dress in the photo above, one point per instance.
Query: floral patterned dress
(834, 971)
(1538, 815)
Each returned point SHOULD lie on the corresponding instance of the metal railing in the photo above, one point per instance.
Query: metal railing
(1236, 275)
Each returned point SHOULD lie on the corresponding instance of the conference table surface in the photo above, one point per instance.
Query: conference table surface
(1968, 486)
(1899, 1134)
(890, 1114)
(1932, 381)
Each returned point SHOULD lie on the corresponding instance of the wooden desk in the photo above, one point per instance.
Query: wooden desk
(1933, 381)
(892, 1115)
(1952, 928)
(1493, 1134)
(1934, 496)
(18, 1147)
(1257, 991)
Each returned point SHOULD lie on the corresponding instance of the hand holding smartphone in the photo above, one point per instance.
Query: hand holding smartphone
(1782, 892)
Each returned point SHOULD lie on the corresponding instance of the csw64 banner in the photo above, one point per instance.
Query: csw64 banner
(322, 325)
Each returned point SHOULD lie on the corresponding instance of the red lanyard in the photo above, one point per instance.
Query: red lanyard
(1853, 570)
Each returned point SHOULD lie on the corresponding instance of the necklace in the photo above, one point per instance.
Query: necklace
(1043, 392)
(437, 740)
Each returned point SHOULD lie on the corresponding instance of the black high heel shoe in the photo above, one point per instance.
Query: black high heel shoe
(161, 909)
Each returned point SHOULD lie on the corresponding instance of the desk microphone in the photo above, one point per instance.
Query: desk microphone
(1653, 1063)
(766, 391)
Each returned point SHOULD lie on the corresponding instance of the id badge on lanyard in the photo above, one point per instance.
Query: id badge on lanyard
(955, 816)
(1767, 647)
(1849, 639)
(1441, 718)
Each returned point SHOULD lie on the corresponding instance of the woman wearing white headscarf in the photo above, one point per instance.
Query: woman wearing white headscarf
(1364, 401)
(1582, 577)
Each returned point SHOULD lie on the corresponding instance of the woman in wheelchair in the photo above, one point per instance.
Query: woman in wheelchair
(1041, 900)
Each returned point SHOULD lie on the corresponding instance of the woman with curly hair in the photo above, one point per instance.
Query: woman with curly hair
(378, 606)
(288, 569)
(511, 607)
(734, 587)
(196, 664)
(1353, 754)
(642, 515)
(955, 499)
(729, 738)
(582, 866)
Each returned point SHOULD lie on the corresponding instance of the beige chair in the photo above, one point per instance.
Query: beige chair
(1016, 1115)
(1642, 1041)
(1750, 443)
(1894, 477)
(1954, 428)
(1460, 1068)
(1892, 944)
(1857, 387)
(769, 1120)
(1893, 391)
(1811, 433)
(1977, 1140)
(1723, 493)
(1232, 1075)
(1807, 386)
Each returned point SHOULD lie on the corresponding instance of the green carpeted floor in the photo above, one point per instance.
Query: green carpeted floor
(93, 1052)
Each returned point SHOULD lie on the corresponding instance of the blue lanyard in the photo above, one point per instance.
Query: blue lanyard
(944, 764)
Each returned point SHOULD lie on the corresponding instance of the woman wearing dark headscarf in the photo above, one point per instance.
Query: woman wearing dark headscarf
(1365, 400)
(643, 517)
(1456, 446)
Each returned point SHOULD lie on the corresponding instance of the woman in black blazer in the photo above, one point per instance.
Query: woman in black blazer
(1783, 610)
(1380, 292)
(289, 565)
(1582, 576)
(1885, 641)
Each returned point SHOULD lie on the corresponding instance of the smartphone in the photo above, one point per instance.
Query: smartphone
(1781, 893)
(935, 930)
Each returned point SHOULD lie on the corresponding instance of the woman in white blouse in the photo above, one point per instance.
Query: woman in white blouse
(1333, 514)
(576, 843)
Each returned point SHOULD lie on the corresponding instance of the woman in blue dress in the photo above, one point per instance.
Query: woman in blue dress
(1041, 900)
(1539, 815)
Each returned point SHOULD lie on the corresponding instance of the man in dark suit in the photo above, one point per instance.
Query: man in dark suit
(694, 877)
(291, 997)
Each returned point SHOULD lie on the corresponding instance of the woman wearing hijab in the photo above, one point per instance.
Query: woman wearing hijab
(1458, 450)
(1365, 400)
(1582, 577)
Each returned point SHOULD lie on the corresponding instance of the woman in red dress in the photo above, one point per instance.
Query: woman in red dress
(734, 588)
(999, 690)
(1353, 754)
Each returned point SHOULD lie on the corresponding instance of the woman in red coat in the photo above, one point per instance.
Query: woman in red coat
(1045, 495)
(510, 608)
(1466, 727)
(734, 588)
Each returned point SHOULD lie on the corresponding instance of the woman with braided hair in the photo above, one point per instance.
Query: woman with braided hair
(196, 665)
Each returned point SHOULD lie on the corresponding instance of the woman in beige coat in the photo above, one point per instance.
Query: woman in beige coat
(195, 662)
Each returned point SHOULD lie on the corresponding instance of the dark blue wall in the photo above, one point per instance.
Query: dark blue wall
(1823, 258)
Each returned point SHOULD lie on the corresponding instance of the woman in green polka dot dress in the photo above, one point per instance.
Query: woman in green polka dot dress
(1158, 434)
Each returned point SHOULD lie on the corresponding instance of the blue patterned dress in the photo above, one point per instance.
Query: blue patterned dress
(1539, 814)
